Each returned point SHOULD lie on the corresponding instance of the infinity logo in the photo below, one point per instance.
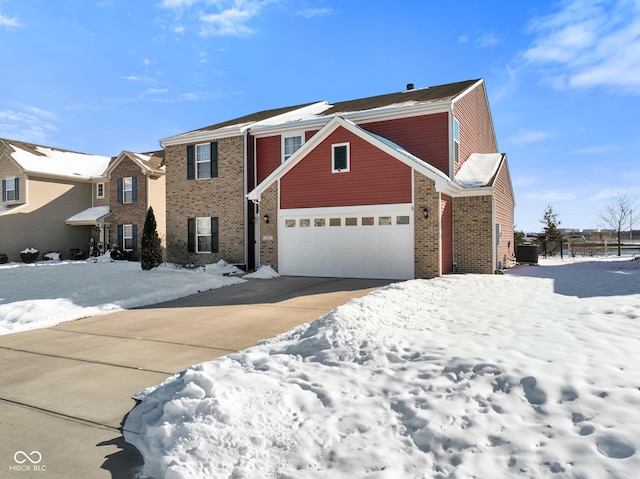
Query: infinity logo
(35, 457)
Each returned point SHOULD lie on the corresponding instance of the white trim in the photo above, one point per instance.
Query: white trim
(98, 185)
(442, 181)
(283, 137)
(360, 117)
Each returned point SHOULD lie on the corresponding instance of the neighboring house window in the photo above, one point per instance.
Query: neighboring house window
(128, 237)
(10, 189)
(340, 158)
(456, 140)
(100, 190)
(290, 144)
(202, 235)
(127, 189)
(202, 161)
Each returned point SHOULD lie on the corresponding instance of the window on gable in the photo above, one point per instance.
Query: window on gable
(290, 144)
(10, 190)
(340, 161)
(456, 140)
(100, 190)
(127, 190)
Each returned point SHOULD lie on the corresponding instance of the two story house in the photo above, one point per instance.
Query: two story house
(404, 185)
(69, 202)
(136, 182)
(41, 188)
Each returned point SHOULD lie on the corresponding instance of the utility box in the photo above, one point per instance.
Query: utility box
(527, 253)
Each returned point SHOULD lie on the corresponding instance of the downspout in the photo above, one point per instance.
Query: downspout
(245, 209)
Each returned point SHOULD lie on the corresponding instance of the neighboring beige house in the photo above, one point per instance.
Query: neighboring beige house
(136, 181)
(42, 187)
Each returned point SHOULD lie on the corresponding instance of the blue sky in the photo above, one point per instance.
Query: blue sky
(563, 78)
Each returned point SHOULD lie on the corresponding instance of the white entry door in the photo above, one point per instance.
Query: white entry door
(356, 243)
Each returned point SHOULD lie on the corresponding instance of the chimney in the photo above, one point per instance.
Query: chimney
(409, 86)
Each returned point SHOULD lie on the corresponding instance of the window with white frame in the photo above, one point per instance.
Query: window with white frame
(202, 235)
(128, 243)
(100, 190)
(10, 189)
(456, 140)
(127, 189)
(291, 144)
(340, 161)
(203, 161)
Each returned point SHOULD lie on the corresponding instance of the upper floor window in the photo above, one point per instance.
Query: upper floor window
(456, 140)
(202, 161)
(291, 144)
(340, 161)
(100, 190)
(10, 189)
(127, 189)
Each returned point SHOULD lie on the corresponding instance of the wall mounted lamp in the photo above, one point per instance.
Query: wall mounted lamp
(425, 212)
(266, 218)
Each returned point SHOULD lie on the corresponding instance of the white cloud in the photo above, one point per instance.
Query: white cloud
(486, 40)
(155, 91)
(589, 43)
(551, 196)
(215, 17)
(315, 12)
(531, 137)
(8, 22)
(596, 150)
(27, 123)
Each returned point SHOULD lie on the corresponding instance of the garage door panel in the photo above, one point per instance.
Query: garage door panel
(360, 250)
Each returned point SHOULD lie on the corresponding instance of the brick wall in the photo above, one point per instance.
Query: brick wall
(473, 234)
(222, 197)
(127, 213)
(269, 232)
(427, 231)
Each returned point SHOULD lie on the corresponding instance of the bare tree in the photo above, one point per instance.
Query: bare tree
(618, 215)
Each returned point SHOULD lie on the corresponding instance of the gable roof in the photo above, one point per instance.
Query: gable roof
(151, 163)
(414, 96)
(50, 161)
(238, 125)
(442, 181)
(323, 110)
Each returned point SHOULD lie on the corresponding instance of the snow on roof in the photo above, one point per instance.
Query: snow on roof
(90, 215)
(479, 170)
(51, 161)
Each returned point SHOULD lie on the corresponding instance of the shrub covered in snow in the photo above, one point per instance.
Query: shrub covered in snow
(29, 255)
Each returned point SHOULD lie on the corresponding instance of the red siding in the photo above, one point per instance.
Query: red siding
(268, 153)
(446, 215)
(426, 137)
(476, 127)
(374, 177)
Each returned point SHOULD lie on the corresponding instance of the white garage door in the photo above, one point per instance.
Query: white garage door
(376, 243)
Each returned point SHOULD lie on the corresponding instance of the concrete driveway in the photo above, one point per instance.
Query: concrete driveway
(65, 391)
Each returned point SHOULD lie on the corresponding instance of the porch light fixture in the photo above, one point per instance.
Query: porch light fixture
(425, 212)
(266, 218)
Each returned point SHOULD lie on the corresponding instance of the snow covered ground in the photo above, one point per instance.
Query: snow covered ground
(46, 293)
(532, 374)
(535, 373)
